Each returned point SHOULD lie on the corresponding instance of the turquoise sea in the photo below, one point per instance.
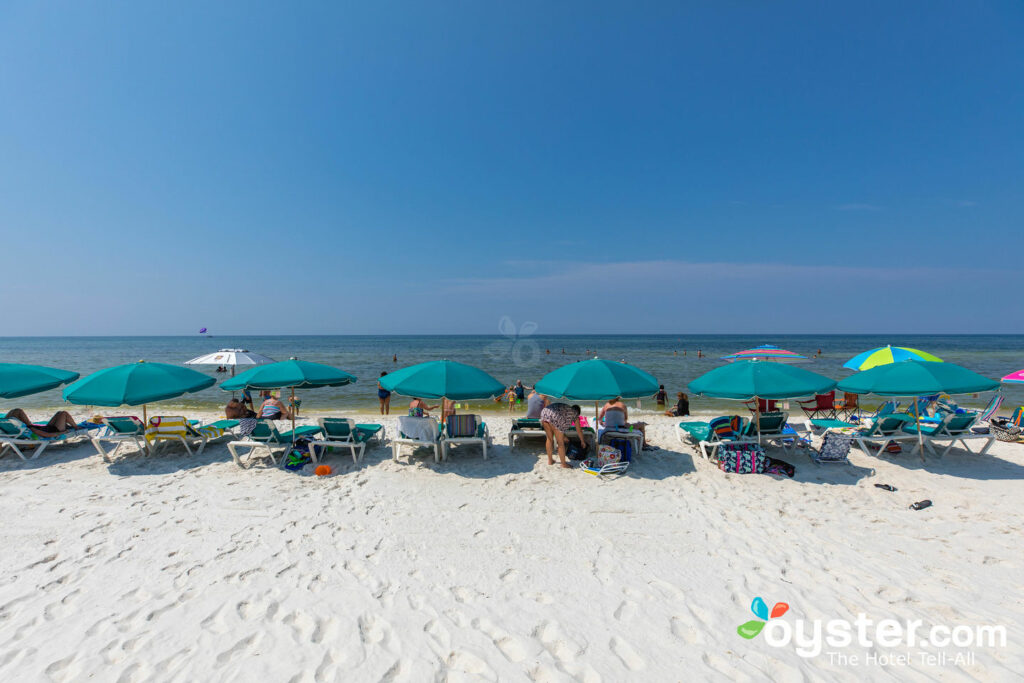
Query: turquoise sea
(516, 356)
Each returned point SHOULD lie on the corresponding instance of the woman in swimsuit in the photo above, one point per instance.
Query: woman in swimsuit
(384, 396)
(58, 424)
(419, 408)
(273, 409)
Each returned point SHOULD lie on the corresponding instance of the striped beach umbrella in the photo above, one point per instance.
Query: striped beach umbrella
(767, 352)
(884, 355)
(1015, 377)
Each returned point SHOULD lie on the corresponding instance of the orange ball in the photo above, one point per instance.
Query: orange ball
(322, 470)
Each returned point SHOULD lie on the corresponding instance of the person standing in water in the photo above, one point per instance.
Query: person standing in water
(384, 396)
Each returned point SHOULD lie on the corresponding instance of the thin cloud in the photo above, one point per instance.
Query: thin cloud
(859, 207)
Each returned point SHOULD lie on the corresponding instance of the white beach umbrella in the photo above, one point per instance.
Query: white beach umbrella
(232, 357)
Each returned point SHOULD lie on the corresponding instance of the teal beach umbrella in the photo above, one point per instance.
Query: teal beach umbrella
(17, 380)
(597, 380)
(442, 379)
(917, 378)
(136, 384)
(748, 379)
(291, 374)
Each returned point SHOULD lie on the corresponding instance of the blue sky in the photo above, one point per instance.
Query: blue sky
(397, 167)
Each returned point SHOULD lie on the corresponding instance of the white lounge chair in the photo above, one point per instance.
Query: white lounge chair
(882, 431)
(345, 433)
(120, 430)
(951, 428)
(523, 428)
(15, 436)
(463, 429)
(417, 432)
(167, 429)
(266, 436)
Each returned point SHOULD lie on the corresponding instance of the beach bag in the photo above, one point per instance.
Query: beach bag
(1003, 429)
(893, 447)
(607, 455)
(747, 458)
(574, 451)
(624, 446)
(298, 457)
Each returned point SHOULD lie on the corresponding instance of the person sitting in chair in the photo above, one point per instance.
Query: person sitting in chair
(273, 409)
(615, 415)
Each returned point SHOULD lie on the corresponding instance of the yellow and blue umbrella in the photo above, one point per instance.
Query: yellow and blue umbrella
(884, 355)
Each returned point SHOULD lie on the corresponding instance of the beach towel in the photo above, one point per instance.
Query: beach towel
(743, 458)
(461, 426)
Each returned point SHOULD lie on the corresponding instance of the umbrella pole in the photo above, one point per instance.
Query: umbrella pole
(292, 411)
(757, 417)
(145, 426)
(920, 436)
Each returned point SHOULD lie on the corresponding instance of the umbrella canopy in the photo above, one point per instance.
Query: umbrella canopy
(767, 352)
(748, 379)
(231, 357)
(1015, 377)
(136, 384)
(597, 380)
(293, 373)
(884, 355)
(917, 378)
(18, 380)
(442, 379)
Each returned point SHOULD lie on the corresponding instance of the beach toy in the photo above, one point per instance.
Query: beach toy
(322, 470)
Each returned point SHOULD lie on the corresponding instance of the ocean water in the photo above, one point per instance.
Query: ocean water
(515, 356)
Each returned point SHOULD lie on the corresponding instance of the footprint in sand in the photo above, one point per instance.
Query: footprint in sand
(625, 652)
(513, 648)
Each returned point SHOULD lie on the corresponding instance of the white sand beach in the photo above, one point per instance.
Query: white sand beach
(186, 568)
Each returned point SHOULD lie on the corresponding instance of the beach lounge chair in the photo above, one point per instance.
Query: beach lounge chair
(266, 436)
(463, 429)
(165, 429)
(633, 436)
(524, 428)
(951, 428)
(120, 430)
(982, 424)
(848, 405)
(15, 436)
(597, 466)
(835, 448)
(417, 432)
(528, 427)
(773, 429)
(763, 405)
(708, 436)
(882, 431)
(821, 406)
(344, 433)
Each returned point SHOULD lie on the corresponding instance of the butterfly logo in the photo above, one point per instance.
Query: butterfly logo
(516, 344)
(760, 609)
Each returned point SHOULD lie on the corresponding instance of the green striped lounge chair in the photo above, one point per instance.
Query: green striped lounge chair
(267, 437)
(774, 429)
(464, 429)
(709, 435)
(952, 429)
